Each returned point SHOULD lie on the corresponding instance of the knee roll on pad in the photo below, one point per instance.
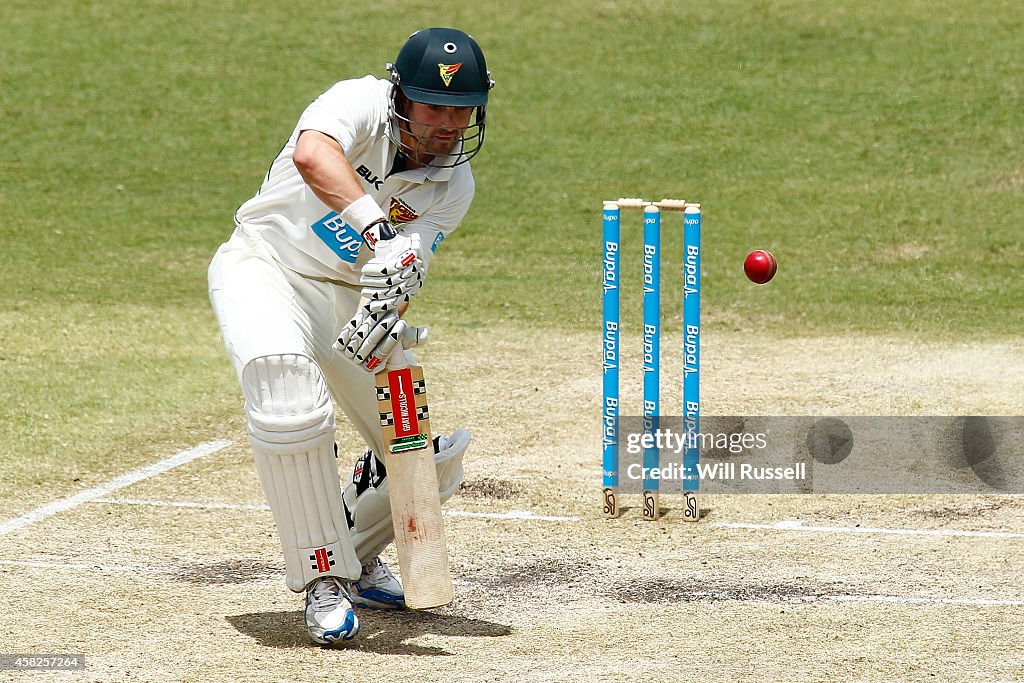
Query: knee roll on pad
(286, 399)
(291, 428)
(368, 506)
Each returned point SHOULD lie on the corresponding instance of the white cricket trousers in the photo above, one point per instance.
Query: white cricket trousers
(265, 308)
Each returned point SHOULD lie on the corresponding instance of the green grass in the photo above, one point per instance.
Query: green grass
(876, 148)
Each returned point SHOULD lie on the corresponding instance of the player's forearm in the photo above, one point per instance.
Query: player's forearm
(323, 165)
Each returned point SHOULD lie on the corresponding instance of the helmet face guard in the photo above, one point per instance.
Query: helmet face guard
(470, 138)
(445, 67)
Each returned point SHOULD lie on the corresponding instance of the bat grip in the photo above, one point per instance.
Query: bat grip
(397, 360)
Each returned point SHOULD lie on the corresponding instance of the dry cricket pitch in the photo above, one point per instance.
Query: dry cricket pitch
(178, 577)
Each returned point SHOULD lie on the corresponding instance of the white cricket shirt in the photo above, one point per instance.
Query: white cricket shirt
(309, 237)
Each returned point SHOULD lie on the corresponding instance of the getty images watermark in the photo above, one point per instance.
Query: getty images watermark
(41, 662)
(806, 454)
(667, 441)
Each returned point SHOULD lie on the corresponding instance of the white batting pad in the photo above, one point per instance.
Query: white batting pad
(291, 428)
(366, 497)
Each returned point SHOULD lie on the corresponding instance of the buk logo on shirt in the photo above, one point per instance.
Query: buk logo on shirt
(341, 237)
(369, 176)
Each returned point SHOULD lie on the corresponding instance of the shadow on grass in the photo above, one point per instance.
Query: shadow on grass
(380, 632)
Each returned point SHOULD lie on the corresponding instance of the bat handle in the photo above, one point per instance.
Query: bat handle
(397, 360)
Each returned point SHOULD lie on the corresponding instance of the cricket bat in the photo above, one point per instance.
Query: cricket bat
(412, 483)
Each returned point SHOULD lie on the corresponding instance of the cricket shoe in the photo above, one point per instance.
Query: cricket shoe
(329, 614)
(377, 588)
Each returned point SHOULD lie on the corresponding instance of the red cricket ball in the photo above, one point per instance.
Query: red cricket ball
(760, 266)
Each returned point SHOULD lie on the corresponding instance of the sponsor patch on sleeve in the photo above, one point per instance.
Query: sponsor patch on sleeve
(437, 242)
(341, 237)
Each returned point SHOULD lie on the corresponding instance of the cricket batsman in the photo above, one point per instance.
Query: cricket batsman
(373, 178)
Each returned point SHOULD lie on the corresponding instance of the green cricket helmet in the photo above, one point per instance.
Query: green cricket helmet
(446, 67)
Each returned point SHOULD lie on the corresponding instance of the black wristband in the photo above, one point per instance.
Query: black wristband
(377, 231)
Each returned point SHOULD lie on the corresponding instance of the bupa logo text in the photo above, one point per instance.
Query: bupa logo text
(341, 237)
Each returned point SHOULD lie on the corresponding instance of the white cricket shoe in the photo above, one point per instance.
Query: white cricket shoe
(329, 614)
(377, 588)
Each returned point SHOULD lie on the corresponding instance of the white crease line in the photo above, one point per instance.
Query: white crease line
(180, 504)
(82, 565)
(884, 599)
(901, 600)
(795, 525)
(512, 514)
(785, 525)
(120, 482)
(800, 599)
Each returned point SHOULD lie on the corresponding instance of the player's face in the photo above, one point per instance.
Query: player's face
(434, 130)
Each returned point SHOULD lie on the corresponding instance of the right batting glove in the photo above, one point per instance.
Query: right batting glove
(370, 337)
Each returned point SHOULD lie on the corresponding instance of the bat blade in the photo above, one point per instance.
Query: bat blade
(412, 483)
